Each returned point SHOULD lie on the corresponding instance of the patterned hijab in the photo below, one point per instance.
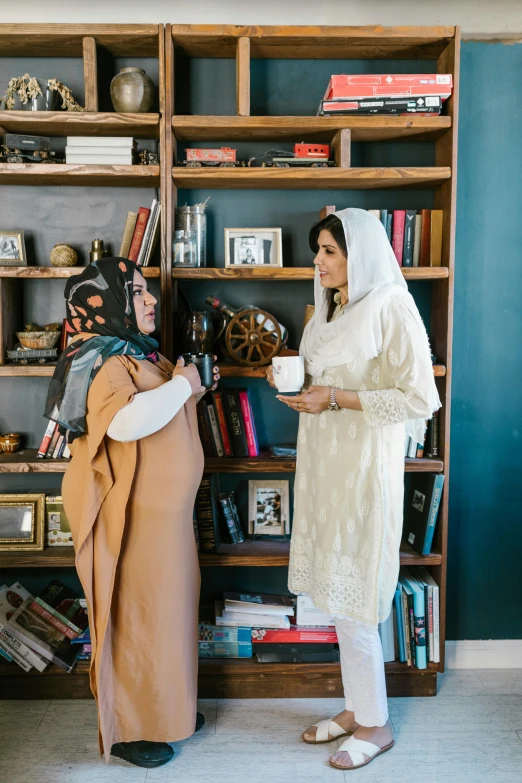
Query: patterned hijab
(100, 310)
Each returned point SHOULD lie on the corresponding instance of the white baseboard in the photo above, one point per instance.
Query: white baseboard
(484, 654)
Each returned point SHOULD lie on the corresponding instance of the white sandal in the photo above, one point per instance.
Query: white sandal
(358, 749)
(327, 731)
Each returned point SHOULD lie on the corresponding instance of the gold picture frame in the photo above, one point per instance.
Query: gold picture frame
(12, 247)
(269, 507)
(22, 521)
(253, 248)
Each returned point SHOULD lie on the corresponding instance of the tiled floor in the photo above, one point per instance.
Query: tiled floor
(470, 733)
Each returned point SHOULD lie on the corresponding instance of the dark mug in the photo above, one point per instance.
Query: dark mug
(205, 364)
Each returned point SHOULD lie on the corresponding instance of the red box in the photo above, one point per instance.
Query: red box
(346, 87)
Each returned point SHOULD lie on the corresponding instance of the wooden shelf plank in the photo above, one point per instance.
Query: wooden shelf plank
(65, 40)
(313, 179)
(316, 42)
(289, 273)
(195, 128)
(89, 123)
(56, 273)
(87, 174)
(51, 557)
(26, 461)
(27, 370)
(239, 371)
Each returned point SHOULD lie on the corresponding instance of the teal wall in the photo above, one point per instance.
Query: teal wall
(485, 542)
(485, 531)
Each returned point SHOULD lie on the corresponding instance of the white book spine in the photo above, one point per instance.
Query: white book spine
(215, 431)
(101, 141)
(32, 658)
(99, 160)
(114, 151)
(66, 452)
(436, 625)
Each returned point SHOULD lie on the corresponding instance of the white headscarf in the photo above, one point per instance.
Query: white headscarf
(373, 277)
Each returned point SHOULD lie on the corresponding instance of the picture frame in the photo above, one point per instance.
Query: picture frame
(269, 507)
(253, 247)
(22, 521)
(12, 247)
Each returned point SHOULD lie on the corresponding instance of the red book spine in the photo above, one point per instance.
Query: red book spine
(225, 437)
(425, 247)
(44, 445)
(54, 621)
(139, 231)
(253, 450)
(283, 635)
(399, 219)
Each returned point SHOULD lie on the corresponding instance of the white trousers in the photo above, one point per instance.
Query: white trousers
(362, 669)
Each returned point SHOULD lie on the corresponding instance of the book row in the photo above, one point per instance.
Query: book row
(140, 234)
(226, 424)
(416, 237)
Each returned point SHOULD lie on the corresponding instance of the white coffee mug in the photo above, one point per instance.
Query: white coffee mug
(289, 373)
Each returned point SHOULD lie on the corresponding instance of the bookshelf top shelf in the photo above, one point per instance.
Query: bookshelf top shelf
(89, 123)
(195, 128)
(311, 179)
(313, 42)
(66, 40)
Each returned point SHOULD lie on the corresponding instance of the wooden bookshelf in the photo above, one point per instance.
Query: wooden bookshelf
(311, 179)
(231, 678)
(372, 128)
(292, 273)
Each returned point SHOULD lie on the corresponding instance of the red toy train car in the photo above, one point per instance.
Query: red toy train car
(224, 157)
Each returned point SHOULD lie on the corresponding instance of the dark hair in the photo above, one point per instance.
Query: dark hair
(332, 224)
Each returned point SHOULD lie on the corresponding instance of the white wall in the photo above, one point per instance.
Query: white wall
(478, 18)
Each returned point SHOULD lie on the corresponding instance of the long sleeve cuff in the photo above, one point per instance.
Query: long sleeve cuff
(383, 406)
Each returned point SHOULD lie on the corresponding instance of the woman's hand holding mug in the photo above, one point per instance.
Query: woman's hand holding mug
(190, 372)
(270, 376)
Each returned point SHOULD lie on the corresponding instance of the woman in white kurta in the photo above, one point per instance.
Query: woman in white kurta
(370, 382)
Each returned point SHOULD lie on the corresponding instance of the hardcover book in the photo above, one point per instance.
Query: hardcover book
(399, 218)
(10, 599)
(409, 232)
(231, 517)
(259, 604)
(207, 513)
(139, 231)
(295, 635)
(61, 608)
(299, 657)
(204, 429)
(235, 422)
(418, 616)
(217, 397)
(421, 509)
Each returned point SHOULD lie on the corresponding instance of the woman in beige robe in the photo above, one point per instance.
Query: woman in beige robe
(129, 493)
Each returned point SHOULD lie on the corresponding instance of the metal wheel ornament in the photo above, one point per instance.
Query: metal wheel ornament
(253, 337)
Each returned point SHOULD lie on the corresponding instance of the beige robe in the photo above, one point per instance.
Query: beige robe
(130, 506)
(349, 486)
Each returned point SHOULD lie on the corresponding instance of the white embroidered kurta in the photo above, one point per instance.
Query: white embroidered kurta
(349, 486)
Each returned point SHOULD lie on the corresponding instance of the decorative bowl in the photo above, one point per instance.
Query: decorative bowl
(38, 340)
(10, 442)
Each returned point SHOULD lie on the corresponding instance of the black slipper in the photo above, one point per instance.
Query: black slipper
(143, 754)
(200, 721)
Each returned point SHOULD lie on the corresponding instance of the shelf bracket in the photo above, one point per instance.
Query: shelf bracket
(90, 73)
(341, 148)
(243, 77)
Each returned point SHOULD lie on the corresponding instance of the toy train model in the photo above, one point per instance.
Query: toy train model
(27, 355)
(303, 155)
(19, 148)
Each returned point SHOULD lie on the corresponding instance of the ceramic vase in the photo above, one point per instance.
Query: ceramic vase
(132, 91)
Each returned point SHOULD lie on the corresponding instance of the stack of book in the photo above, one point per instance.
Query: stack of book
(226, 424)
(224, 642)
(35, 631)
(140, 234)
(216, 517)
(54, 442)
(100, 150)
(415, 236)
(395, 94)
(254, 611)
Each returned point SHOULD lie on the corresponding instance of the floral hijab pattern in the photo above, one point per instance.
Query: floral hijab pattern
(100, 310)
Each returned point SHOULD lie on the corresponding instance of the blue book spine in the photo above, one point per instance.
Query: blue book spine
(399, 623)
(384, 217)
(419, 621)
(389, 227)
(434, 510)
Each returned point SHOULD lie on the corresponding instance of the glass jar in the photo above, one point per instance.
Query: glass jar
(184, 249)
(195, 219)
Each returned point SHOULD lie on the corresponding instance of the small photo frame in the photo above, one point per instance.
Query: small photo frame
(12, 248)
(250, 247)
(22, 520)
(268, 507)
